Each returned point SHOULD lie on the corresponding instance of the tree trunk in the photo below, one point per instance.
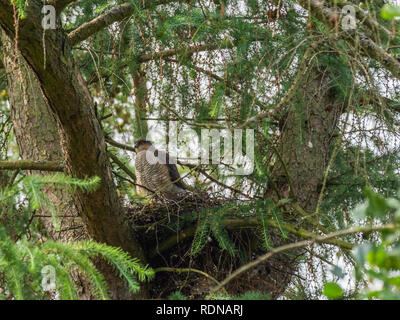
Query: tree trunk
(304, 148)
(37, 137)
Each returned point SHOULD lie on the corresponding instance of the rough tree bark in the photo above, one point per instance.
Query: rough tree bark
(36, 132)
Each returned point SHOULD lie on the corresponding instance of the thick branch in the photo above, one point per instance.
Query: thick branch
(89, 28)
(32, 165)
(60, 5)
(114, 15)
(237, 223)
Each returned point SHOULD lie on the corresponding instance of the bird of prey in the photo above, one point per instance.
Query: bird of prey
(155, 173)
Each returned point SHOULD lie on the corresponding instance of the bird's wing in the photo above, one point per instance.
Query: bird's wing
(172, 169)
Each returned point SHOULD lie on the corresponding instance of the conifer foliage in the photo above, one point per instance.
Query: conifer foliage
(24, 255)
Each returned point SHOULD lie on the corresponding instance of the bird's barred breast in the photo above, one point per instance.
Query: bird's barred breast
(152, 176)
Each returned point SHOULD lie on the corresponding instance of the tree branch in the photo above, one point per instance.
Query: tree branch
(119, 145)
(60, 5)
(32, 165)
(246, 223)
(104, 20)
(89, 28)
